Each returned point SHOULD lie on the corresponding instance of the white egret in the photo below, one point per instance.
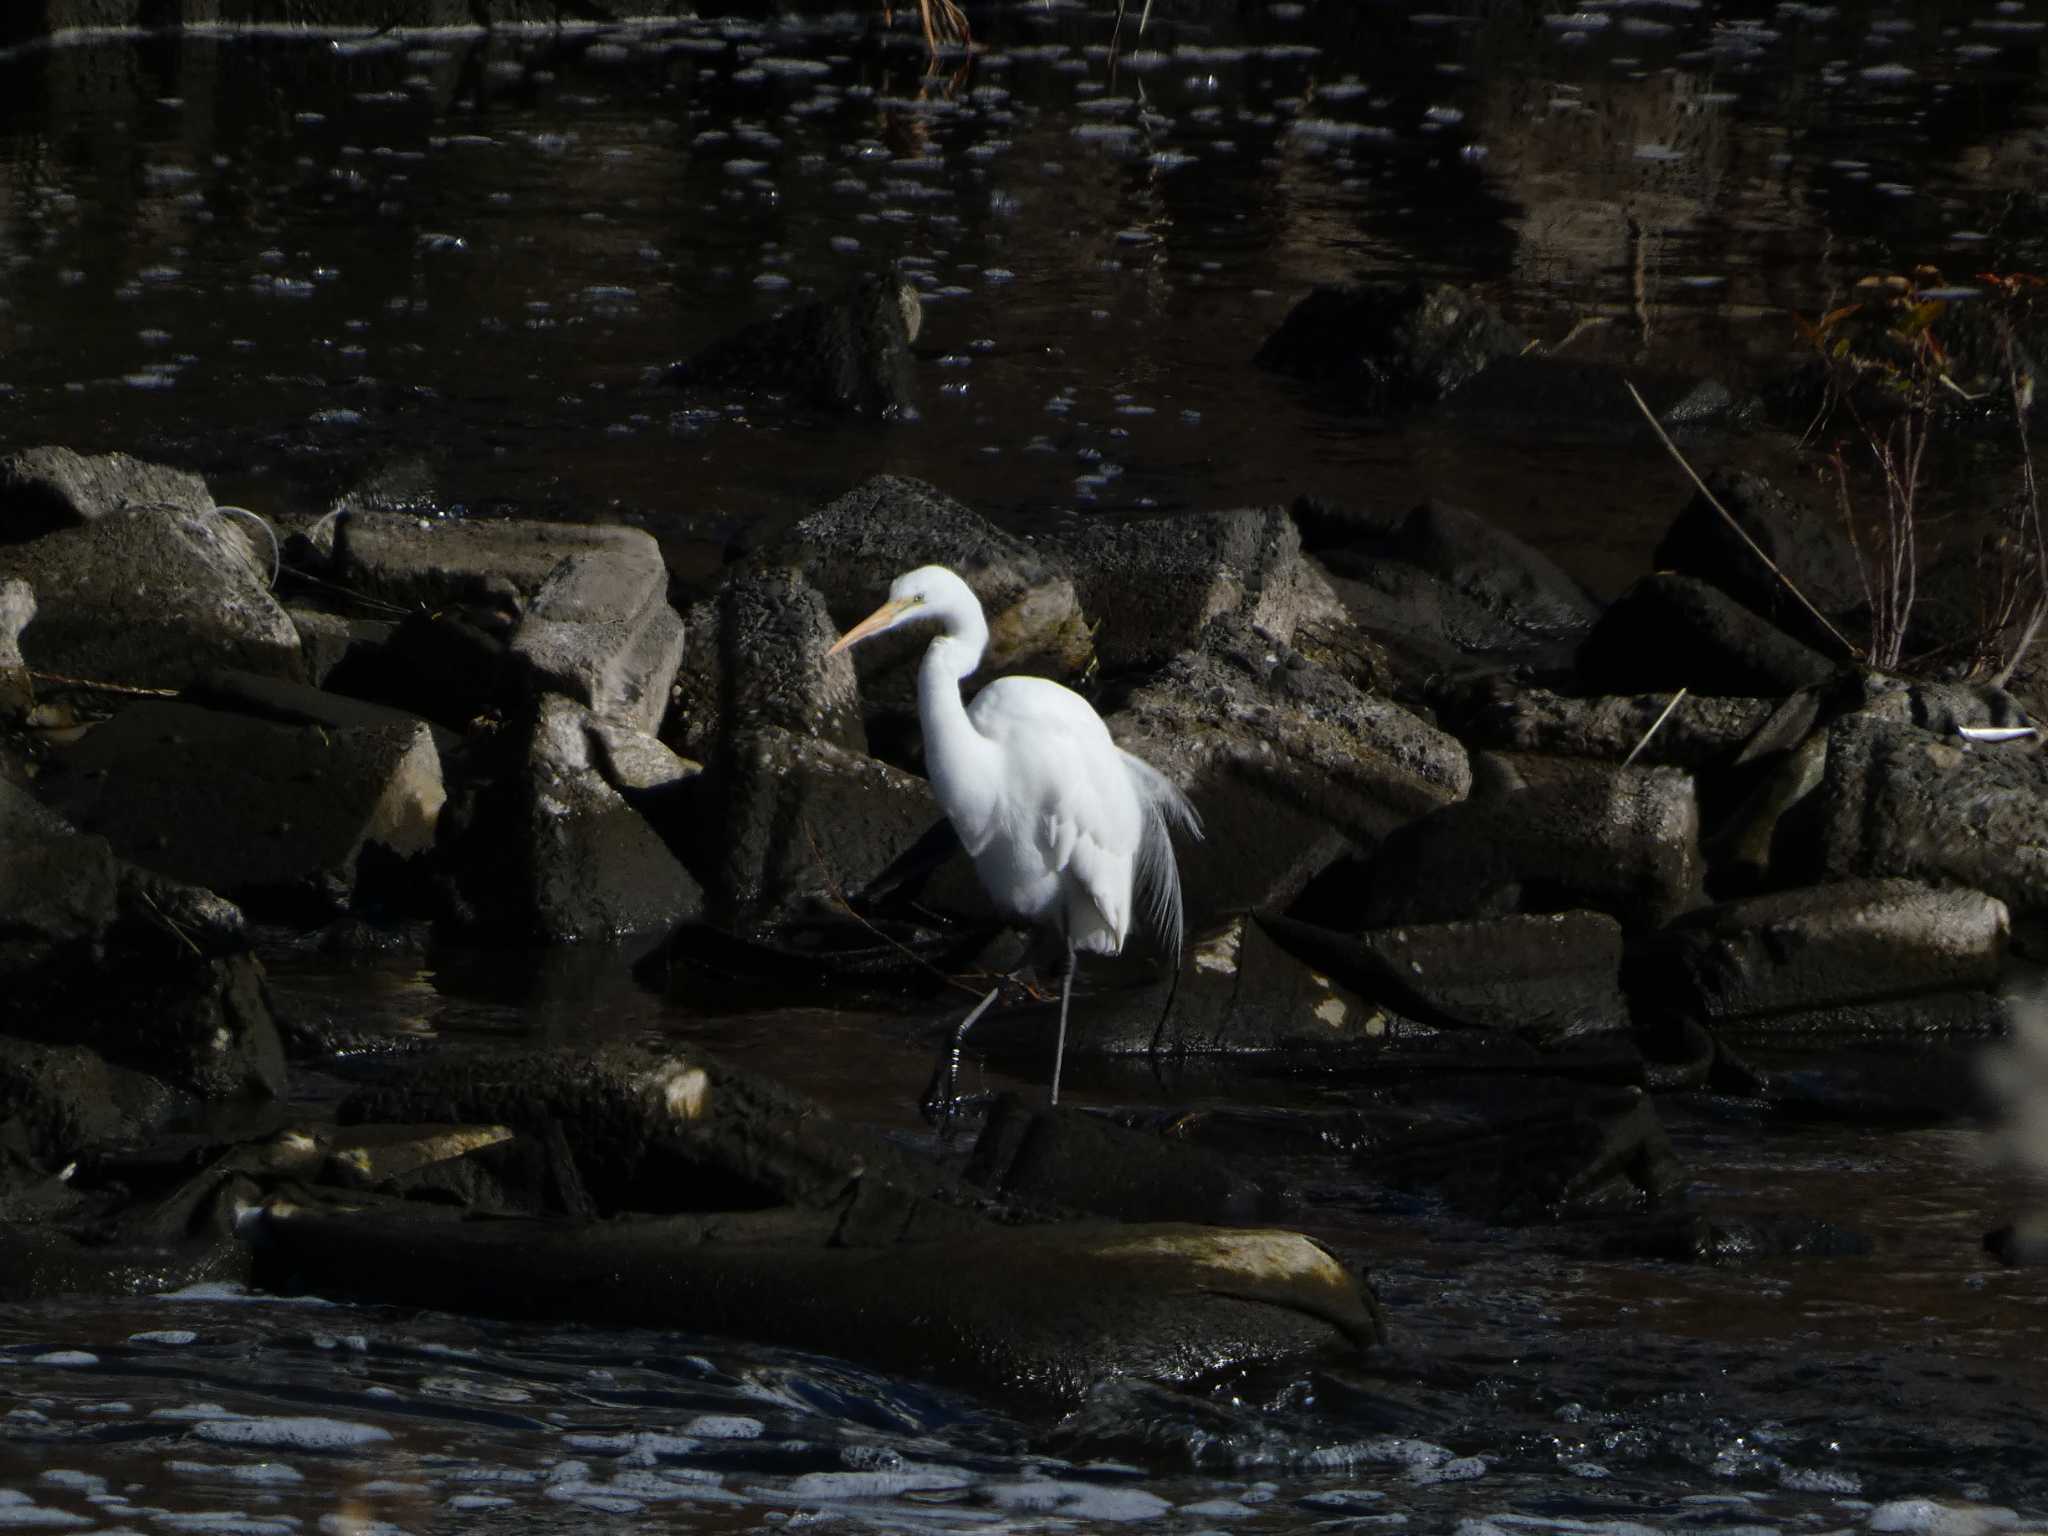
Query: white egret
(1065, 827)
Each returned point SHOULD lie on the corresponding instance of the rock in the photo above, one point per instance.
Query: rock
(1619, 840)
(1495, 570)
(1549, 978)
(1806, 545)
(17, 608)
(540, 844)
(66, 1100)
(330, 642)
(756, 658)
(58, 891)
(282, 813)
(45, 489)
(583, 611)
(1064, 1159)
(1153, 583)
(847, 353)
(653, 1130)
(1898, 800)
(1238, 993)
(1288, 764)
(1704, 731)
(787, 825)
(1427, 626)
(1669, 632)
(600, 631)
(1037, 1315)
(1539, 394)
(1532, 1150)
(151, 596)
(852, 549)
(1830, 946)
(452, 666)
(1388, 347)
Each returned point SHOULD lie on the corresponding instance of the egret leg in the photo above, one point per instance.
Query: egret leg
(949, 1069)
(1059, 1050)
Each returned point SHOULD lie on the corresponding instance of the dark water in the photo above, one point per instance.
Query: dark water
(285, 258)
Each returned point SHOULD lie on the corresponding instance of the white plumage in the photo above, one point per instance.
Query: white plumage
(1065, 828)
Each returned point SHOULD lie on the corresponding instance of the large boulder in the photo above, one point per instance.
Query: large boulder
(545, 840)
(44, 489)
(1670, 631)
(150, 974)
(757, 658)
(1289, 764)
(788, 825)
(1518, 585)
(1387, 347)
(1896, 798)
(1580, 834)
(572, 609)
(1806, 546)
(288, 809)
(152, 595)
(852, 548)
(1702, 731)
(1822, 949)
(847, 353)
(1153, 583)
(1549, 978)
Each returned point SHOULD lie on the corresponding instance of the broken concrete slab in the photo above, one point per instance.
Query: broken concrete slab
(151, 596)
(1831, 946)
(1151, 584)
(46, 488)
(276, 814)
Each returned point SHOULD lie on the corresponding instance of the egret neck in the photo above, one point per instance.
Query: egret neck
(960, 762)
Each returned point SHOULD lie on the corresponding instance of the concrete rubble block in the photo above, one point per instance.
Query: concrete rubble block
(1151, 584)
(1895, 799)
(600, 631)
(1549, 977)
(1701, 732)
(1289, 764)
(1389, 346)
(587, 607)
(1067, 1160)
(1805, 543)
(17, 608)
(851, 549)
(546, 847)
(1239, 992)
(850, 352)
(756, 658)
(66, 1100)
(1856, 941)
(1625, 841)
(278, 812)
(1671, 631)
(58, 890)
(791, 825)
(47, 488)
(152, 596)
(1507, 578)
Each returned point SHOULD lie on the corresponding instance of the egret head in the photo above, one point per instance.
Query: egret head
(931, 593)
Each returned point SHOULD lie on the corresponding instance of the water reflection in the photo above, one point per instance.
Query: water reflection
(281, 256)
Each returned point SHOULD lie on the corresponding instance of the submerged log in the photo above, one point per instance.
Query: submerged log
(1041, 1313)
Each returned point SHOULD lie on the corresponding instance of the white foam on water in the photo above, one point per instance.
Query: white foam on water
(307, 1433)
(1937, 1517)
(36, 1517)
(344, 1524)
(65, 1357)
(1081, 1501)
(886, 1484)
(77, 1482)
(258, 1474)
(221, 1522)
(726, 1426)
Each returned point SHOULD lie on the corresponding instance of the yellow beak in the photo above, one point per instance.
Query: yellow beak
(874, 623)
